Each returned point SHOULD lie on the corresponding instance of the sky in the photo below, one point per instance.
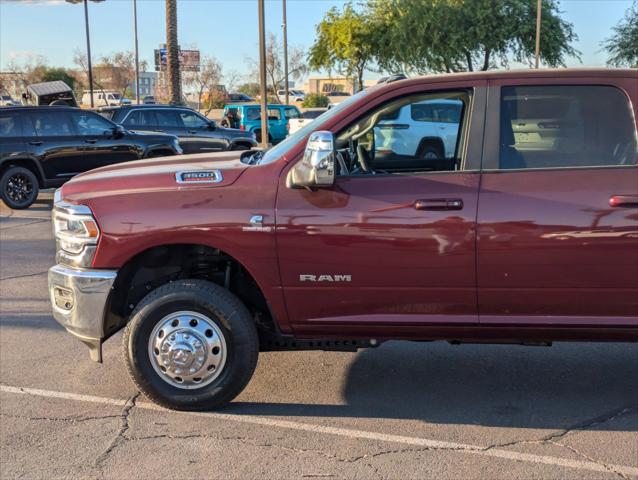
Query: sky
(225, 29)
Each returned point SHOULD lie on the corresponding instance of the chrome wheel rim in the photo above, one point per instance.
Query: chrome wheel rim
(187, 350)
(19, 187)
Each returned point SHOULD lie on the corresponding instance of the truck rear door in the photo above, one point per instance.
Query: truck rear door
(558, 209)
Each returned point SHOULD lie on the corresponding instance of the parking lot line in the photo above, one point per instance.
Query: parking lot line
(344, 432)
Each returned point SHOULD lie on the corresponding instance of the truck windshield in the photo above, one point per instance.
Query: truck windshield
(284, 147)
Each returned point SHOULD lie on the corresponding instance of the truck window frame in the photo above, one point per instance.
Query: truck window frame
(470, 134)
(491, 151)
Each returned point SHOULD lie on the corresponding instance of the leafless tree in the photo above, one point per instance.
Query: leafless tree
(206, 80)
(297, 66)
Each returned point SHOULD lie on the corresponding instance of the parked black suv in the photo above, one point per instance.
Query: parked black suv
(196, 133)
(42, 147)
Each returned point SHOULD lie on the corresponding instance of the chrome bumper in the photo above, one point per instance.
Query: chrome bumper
(79, 298)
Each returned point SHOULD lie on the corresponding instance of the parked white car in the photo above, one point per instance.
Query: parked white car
(8, 101)
(293, 95)
(307, 116)
(430, 126)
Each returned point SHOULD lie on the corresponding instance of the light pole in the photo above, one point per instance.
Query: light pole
(538, 32)
(263, 91)
(285, 27)
(137, 55)
(88, 43)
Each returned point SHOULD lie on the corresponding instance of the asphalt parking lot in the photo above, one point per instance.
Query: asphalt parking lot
(400, 411)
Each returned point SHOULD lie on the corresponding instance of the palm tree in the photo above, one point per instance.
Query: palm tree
(172, 53)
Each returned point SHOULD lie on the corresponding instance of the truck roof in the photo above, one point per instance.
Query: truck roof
(523, 73)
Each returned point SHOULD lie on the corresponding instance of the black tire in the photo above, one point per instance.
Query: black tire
(227, 312)
(19, 188)
(431, 152)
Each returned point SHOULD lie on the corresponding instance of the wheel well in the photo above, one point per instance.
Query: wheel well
(160, 265)
(431, 142)
(23, 162)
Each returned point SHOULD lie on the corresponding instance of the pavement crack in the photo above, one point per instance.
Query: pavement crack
(120, 436)
(23, 276)
(578, 427)
(12, 227)
(70, 419)
(587, 457)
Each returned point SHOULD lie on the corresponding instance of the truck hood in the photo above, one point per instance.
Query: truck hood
(153, 174)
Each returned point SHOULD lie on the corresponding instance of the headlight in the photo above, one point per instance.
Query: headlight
(76, 234)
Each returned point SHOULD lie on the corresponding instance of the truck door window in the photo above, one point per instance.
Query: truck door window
(565, 126)
(417, 133)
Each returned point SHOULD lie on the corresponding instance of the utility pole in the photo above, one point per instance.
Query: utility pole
(263, 90)
(137, 54)
(285, 27)
(88, 43)
(538, 32)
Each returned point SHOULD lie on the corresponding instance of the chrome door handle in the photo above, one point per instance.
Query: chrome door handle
(439, 204)
(90, 140)
(36, 142)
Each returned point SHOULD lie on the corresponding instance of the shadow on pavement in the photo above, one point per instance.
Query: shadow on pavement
(568, 385)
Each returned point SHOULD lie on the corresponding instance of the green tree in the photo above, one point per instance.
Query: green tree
(53, 74)
(622, 46)
(466, 35)
(345, 42)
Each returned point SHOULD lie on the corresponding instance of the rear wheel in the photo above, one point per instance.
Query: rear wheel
(191, 345)
(19, 187)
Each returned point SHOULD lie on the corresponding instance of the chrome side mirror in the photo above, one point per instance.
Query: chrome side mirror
(317, 167)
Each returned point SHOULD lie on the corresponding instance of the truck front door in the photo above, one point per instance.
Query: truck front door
(385, 248)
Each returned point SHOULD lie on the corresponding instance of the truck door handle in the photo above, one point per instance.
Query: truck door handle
(438, 204)
(36, 142)
(90, 140)
(627, 201)
(192, 131)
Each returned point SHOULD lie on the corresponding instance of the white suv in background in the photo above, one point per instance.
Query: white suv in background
(427, 130)
(293, 95)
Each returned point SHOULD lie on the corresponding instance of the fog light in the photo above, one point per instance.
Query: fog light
(63, 298)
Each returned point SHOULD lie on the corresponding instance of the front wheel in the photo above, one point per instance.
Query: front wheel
(19, 188)
(191, 345)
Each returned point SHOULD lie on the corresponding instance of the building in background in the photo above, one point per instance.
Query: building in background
(148, 83)
(333, 84)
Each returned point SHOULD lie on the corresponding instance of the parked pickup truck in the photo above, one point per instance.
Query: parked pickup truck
(206, 260)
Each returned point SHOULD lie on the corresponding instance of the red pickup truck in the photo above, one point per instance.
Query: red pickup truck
(358, 229)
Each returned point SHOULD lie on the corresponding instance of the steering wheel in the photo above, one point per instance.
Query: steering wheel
(363, 159)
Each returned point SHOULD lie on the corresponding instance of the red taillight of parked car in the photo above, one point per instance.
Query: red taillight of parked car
(242, 128)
